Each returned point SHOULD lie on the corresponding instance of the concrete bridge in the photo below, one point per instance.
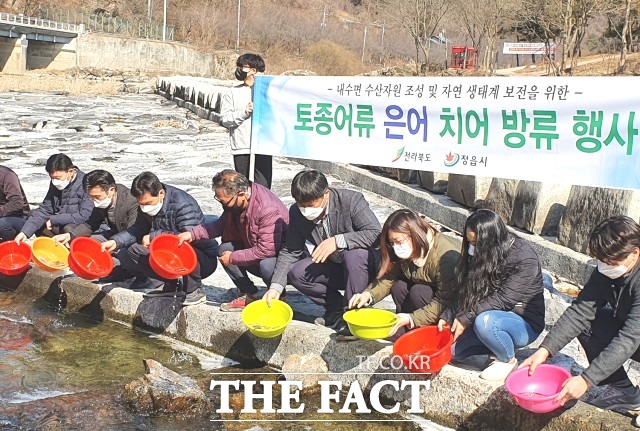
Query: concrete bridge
(33, 43)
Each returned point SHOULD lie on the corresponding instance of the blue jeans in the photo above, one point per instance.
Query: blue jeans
(494, 332)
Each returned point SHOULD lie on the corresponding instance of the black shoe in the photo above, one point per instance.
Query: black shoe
(118, 274)
(142, 284)
(330, 319)
(168, 289)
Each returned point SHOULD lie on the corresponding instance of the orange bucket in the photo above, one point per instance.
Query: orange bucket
(49, 255)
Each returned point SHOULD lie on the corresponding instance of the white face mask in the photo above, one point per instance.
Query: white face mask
(471, 249)
(312, 213)
(152, 210)
(611, 271)
(403, 251)
(60, 184)
(103, 203)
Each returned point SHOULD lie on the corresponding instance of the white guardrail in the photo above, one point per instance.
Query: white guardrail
(10, 18)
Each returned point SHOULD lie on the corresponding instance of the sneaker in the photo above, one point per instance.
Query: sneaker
(617, 398)
(142, 284)
(330, 319)
(498, 371)
(118, 274)
(194, 298)
(239, 303)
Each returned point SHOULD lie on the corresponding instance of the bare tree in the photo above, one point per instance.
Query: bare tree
(626, 36)
(487, 19)
(420, 18)
(565, 21)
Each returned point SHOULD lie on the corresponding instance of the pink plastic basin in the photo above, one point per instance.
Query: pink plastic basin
(537, 392)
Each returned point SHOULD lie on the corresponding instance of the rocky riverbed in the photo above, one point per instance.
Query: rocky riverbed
(128, 134)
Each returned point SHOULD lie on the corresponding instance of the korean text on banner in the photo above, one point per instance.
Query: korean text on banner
(578, 130)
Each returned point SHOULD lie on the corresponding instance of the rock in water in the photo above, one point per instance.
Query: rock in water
(310, 363)
(164, 391)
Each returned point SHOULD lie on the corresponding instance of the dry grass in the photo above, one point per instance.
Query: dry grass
(38, 82)
(607, 64)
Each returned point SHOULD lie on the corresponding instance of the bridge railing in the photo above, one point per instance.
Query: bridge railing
(30, 21)
(107, 23)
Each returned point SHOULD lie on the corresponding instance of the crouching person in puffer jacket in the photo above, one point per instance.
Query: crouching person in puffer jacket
(163, 209)
(65, 204)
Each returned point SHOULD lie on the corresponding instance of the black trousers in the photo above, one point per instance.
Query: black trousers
(603, 329)
(410, 297)
(263, 169)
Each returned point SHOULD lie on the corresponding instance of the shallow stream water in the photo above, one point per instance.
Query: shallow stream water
(67, 371)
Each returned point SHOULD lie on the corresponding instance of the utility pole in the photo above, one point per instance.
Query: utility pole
(364, 42)
(164, 22)
(382, 39)
(323, 25)
(238, 33)
(149, 8)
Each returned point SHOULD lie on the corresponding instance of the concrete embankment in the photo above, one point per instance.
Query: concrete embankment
(456, 397)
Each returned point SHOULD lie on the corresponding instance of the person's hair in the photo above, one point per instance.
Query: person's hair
(308, 186)
(98, 178)
(411, 224)
(146, 182)
(614, 239)
(254, 61)
(230, 181)
(483, 274)
(58, 162)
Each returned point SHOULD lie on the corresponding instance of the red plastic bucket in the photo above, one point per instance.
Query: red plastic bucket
(14, 258)
(425, 349)
(170, 260)
(87, 259)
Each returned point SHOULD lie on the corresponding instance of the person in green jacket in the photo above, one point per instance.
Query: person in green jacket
(417, 268)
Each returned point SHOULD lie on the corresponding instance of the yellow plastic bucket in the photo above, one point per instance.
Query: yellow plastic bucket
(370, 323)
(264, 321)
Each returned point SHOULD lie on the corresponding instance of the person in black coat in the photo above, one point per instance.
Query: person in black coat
(605, 318)
(66, 202)
(164, 209)
(500, 305)
(115, 211)
(346, 237)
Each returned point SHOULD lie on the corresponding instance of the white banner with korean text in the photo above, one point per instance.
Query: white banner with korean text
(540, 48)
(577, 130)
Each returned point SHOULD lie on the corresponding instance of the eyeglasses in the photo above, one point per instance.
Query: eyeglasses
(227, 202)
(392, 243)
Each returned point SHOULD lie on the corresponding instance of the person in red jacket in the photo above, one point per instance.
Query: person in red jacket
(253, 226)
